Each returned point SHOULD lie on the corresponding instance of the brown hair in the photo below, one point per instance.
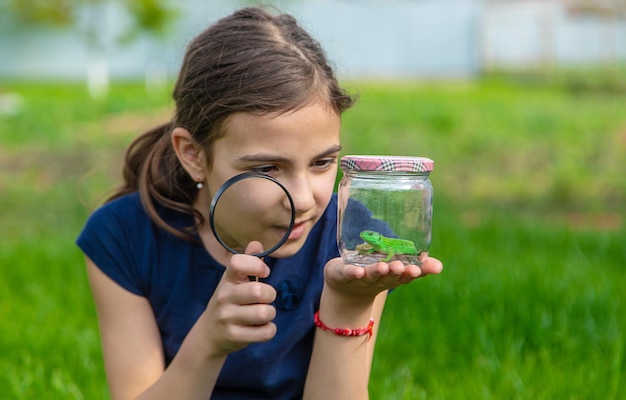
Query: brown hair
(251, 61)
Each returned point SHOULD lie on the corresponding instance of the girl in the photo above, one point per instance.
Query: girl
(179, 316)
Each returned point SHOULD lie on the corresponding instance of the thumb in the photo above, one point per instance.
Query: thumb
(254, 247)
(242, 266)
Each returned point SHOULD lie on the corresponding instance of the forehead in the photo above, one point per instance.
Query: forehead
(308, 128)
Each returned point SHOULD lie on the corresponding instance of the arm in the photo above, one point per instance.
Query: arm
(237, 314)
(132, 349)
(340, 366)
(131, 344)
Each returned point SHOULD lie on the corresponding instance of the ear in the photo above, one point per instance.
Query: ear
(189, 153)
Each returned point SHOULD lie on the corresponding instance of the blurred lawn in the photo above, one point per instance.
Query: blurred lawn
(529, 221)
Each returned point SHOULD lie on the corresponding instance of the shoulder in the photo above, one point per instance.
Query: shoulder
(127, 213)
(122, 217)
(127, 206)
(115, 217)
(113, 237)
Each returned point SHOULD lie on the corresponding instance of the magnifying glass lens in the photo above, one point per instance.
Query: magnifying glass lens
(252, 207)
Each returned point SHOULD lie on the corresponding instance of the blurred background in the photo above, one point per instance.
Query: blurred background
(522, 105)
(101, 40)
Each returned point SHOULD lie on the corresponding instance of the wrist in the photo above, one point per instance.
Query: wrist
(338, 309)
(366, 330)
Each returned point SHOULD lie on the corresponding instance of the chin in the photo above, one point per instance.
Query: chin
(288, 249)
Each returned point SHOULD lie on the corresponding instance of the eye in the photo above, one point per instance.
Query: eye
(265, 169)
(325, 163)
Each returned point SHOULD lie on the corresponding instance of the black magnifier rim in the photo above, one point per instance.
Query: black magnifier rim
(231, 182)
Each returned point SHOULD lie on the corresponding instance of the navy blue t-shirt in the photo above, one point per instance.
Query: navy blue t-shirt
(178, 278)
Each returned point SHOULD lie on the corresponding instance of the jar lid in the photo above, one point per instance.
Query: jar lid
(387, 163)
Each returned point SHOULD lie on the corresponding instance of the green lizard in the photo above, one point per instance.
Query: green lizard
(375, 242)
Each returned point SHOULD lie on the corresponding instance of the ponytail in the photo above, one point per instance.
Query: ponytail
(152, 169)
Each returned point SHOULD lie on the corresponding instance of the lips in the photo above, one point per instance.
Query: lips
(297, 231)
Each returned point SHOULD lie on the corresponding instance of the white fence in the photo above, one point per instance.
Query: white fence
(538, 33)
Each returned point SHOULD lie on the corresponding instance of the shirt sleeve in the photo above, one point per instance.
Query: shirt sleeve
(109, 240)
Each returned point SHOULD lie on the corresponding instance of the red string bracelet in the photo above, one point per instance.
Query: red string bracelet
(345, 331)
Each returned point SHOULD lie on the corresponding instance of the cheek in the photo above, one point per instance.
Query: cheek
(324, 190)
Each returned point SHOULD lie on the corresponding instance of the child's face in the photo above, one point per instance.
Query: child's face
(299, 149)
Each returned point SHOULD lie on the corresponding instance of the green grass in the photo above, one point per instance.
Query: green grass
(528, 219)
(521, 311)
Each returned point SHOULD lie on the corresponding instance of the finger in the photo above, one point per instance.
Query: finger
(397, 268)
(393, 269)
(391, 275)
(375, 272)
(432, 266)
(252, 333)
(413, 271)
(254, 247)
(252, 293)
(337, 271)
(242, 266)
(254, 315)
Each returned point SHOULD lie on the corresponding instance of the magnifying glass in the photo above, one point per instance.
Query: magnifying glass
(252, 206)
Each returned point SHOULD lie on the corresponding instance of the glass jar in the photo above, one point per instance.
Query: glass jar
(385, 209)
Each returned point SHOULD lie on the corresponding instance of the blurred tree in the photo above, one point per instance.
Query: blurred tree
(147, 17)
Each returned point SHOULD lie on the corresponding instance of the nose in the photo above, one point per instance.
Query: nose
(302, 192)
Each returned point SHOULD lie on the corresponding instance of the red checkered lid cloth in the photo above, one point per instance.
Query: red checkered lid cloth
(387, 163)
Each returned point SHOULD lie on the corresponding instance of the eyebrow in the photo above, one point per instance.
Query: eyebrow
(263, 157)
